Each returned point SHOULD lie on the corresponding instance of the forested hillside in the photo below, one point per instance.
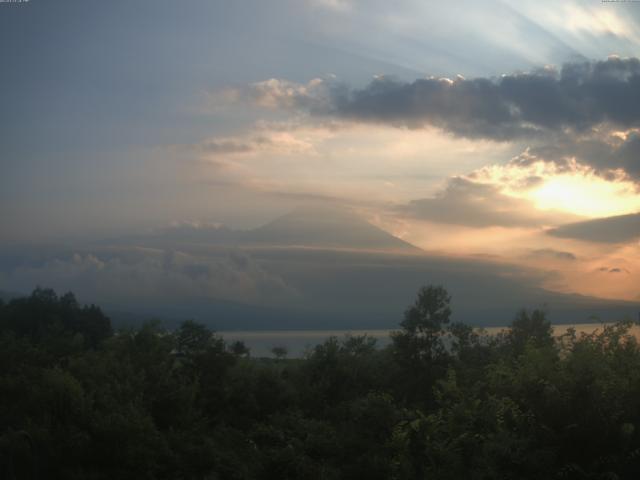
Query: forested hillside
(79, 401)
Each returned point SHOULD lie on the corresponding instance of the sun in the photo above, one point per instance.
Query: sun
(586, 195)
(570, 187)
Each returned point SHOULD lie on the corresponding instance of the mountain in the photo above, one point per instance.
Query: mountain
(317, 227)
(313, 268)
(7, 296)
(323, 227)
(344, 289)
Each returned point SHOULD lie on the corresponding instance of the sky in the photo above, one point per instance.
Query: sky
(506, 132)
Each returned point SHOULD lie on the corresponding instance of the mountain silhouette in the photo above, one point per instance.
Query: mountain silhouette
(317, 227)
(329, 228)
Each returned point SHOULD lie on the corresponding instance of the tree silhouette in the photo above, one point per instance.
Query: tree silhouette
(421, 337)
(280, 352)
(442, 401)
(530, 328)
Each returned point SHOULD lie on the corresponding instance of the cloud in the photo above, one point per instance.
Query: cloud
(627, 155)
(266, 140)
(606, 151)
(470, 108)
(578, 96)
(280, 93)
(465, 202)
(613, 270)
(617, 229)
(139, 275)
(587, 110)
(563, 185)
(216, 146)
(550, 253)
(334, 5)
(300, 288)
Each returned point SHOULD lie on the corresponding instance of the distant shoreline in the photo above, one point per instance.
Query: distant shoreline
(260, 342)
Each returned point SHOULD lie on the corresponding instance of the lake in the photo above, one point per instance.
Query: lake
(298, 341)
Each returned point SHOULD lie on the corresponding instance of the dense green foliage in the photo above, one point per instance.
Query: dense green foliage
(441, 401)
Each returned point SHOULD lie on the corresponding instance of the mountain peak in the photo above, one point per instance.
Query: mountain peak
(313, 227)
(329, 228)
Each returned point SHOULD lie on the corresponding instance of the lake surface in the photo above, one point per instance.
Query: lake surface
(297, 342)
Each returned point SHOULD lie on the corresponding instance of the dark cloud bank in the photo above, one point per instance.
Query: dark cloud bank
(577, 96)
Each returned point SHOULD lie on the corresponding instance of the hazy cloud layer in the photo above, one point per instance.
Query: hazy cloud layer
(303, 287)
(464, 202)
(618, 229)
(552, 254)
(132, 275)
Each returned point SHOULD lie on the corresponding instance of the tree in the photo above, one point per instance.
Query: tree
(239, 349)
(419, 348)
(193, 338)
(531, 328)
(421, 337)
(280, 352)
(43, 314)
